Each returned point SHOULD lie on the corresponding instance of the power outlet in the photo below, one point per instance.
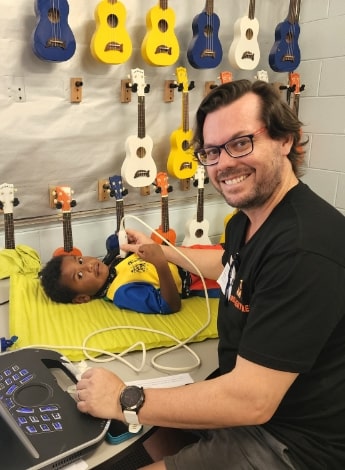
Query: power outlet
(103, 190)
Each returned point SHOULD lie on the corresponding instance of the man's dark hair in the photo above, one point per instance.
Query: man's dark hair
(50, 277)
(279, 119)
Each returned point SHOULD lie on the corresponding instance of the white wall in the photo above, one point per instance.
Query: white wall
(46, 140)
(323, 101)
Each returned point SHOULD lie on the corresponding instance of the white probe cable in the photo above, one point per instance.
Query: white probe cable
(112, 356)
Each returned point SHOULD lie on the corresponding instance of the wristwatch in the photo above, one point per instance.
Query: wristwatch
(131, 400)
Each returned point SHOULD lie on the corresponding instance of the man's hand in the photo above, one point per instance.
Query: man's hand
(135, 240)
(98, 393)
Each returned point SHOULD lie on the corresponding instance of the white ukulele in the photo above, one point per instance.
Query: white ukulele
(244, 51)
(138, 168)
(197, 228)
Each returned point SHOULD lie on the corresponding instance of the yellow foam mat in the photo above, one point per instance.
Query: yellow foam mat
(36, 320)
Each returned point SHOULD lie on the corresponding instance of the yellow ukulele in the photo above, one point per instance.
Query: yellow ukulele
(160, 45)
(110, 42)
(181, 161)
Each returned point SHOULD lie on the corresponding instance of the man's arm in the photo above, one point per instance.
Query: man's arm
(209, 262)
(248, 395)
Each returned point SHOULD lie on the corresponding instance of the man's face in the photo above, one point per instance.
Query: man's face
(84, 274)
(252, 181)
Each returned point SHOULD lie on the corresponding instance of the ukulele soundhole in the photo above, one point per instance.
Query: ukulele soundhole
(185, 145)
(208, 31)
(112, 21)
(141, 152)
(163, 26)
(199, 233)
(289, 37)
(53, 15)
(249, 34)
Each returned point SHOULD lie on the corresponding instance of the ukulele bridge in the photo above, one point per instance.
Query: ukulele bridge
(54, 42)
(186, 165)
(248, 55)
(288, 58)
(208, 53)
(163, 50)
(113, 46)
(140, 173)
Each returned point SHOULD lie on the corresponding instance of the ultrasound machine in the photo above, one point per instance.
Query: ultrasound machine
(40, 425)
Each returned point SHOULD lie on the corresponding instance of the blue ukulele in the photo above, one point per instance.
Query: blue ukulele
(205, 50)
(117, 191)
(53, 39)
(285, 54)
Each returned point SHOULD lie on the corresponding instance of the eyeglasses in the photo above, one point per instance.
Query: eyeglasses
(236, 148)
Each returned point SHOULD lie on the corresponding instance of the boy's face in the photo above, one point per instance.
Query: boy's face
(84, 274)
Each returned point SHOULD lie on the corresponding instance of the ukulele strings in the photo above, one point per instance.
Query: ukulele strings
(209, 26)
(55, 22)
(293, 18)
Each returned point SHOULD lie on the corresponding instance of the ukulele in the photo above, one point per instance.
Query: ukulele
(110, 42)
(205, 50)
(117, 191)
(181, 161)
(53, 39)
(7, 202)
(139, 169)
(160, 45)
(197, 229)
(294, 89)
(164, 188)
(63, 200)
(244, 52)
(285, 54)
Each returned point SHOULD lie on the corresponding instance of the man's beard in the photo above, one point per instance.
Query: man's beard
(258, 195)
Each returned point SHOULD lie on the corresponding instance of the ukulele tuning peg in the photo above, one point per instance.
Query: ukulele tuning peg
(195, 183)
(134, 87)
(147, 88)
(15, 201)
(302, 88)
(112, 193)
(180, 86)
(173, 85)
(170, 188)
(124, 192)
(73, 203)
(158, 189)
(191, 85)
(58, 204)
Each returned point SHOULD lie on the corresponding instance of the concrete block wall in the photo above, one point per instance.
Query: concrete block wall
(322, 103)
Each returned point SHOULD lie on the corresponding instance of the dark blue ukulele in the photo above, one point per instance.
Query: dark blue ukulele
(53, 39)
(205, 50)
(117, 191)
(285, 54)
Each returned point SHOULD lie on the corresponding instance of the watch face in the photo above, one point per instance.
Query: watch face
(132, 397)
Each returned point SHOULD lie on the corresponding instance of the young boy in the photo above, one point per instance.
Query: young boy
(143, 282)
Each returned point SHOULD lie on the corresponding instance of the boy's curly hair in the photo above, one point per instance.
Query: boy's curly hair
(50, 277)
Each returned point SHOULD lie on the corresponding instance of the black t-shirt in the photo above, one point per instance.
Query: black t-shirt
(286, 311)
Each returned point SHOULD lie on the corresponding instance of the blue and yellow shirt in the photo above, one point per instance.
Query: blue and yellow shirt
(136, 286)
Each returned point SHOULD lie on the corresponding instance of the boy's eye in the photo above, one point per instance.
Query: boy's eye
(80, 260)
(80, 275)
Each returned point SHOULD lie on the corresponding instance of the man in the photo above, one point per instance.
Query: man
(278, 402)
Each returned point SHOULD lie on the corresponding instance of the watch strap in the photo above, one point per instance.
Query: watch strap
(131, 417)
